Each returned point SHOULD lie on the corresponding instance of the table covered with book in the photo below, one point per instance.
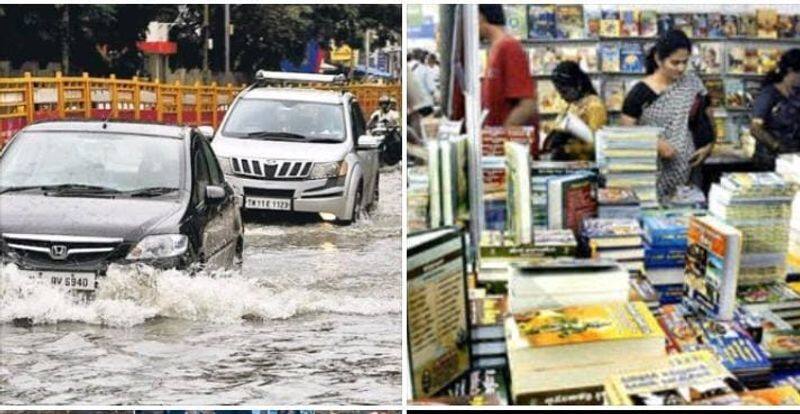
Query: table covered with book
(587, 289)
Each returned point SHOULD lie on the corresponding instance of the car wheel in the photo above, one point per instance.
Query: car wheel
(358, 209)
(376, 195)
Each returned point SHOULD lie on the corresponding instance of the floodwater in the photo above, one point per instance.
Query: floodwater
(314, 317)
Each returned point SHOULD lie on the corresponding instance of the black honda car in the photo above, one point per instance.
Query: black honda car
(76, 196)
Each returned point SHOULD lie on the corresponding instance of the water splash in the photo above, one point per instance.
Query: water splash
(131, 295)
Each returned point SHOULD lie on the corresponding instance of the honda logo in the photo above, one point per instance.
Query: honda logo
(59, 252)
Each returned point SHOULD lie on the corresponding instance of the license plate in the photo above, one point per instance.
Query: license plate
(268, 203)
(70, 280)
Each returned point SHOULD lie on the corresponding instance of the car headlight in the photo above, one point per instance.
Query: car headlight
(328, 170)
(160, 246)
(225, 164)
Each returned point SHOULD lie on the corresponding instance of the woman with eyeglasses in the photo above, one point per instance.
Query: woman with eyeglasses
(575, 87)
(666, 98)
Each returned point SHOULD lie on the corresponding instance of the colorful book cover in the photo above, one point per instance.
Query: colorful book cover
(585, 56)
(730, 25)
(593, 18)
(629, 26)
(610, 57)
(737, 351)
(516, 20)
(582, 324)
(648, 25)
(665, 23)
(786, 395)
(631, 58)
(715, 26)
(707, 58)
(663, 257)
(620, 227)
(542, 21)
(700, 25)
(610, 25)
(734, 93)
(712, 266)
(570, 199)
(614, 94)
(748, 27)
(549, 100)
(617, 196)
(716, 94)
(736, 60)
(665, 231)
(767, 23)
(543, 60)
(683, 21)
(569, 22)
(766, 293)
(787, 26)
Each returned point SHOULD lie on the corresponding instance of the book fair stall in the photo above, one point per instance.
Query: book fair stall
(539, 280)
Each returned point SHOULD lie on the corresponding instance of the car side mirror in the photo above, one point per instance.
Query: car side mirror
(215, 194)
(206, 131)
(369, 142)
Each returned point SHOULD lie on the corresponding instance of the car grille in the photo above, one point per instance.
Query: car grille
(53, 250)
(272, 169)
(268, 192)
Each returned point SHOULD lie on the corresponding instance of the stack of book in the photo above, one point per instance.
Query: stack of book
(665, 253)
(759, 205)
(494, 192)
(487, 312)
(418, 199)
(570, 199)
(498, 253)
(614, 239)
(783, 348)
(788, 166)
(540, 173)
(480, 386)
(728, 340)
(686, 197)
(643, 291)
(563, 356)
(627, 157)
(562, 283)
(617, 202)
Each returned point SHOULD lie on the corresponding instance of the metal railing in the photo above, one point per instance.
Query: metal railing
(29, 99)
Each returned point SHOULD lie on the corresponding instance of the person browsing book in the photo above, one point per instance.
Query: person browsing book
(665, 98)
(575, 87)
(507, 90)
(776, 111)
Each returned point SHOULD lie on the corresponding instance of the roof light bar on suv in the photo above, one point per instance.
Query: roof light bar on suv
(265, 76)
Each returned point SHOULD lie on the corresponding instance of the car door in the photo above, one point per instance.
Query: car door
(369, 158)
(224, 226)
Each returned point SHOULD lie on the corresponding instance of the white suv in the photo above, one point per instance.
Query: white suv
(294, 149)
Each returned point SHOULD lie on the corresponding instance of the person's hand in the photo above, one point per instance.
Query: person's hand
(665, 150)
(700, 155)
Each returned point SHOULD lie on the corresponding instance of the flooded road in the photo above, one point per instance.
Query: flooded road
(313, 318)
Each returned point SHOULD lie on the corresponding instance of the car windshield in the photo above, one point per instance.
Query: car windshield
(112, 162)
(286, 120)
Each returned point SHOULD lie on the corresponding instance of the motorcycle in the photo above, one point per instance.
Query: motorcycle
(391, 147)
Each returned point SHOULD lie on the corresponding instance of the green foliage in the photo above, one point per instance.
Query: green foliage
(102, 37)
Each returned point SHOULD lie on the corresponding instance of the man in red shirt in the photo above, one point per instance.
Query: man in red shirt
(507, 90)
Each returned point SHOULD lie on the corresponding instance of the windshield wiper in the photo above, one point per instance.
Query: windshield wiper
(151, 191)
(331, 140)
(275, 134)
(80, 189)
(61, 188)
